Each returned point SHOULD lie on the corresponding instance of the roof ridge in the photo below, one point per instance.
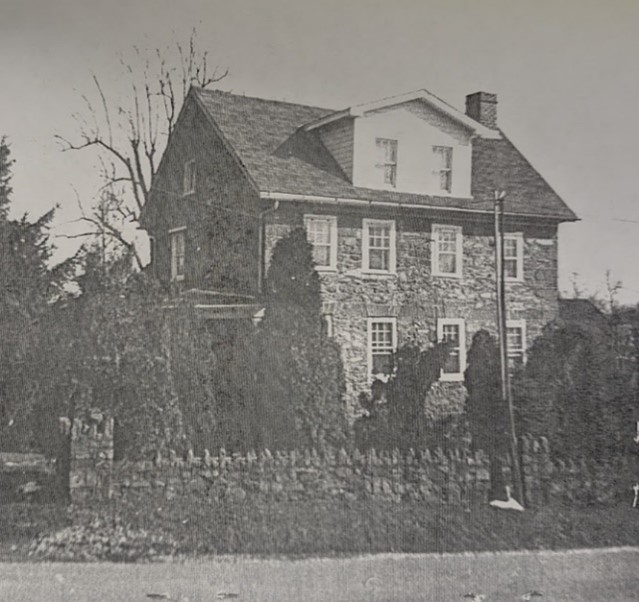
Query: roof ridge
(212, 91)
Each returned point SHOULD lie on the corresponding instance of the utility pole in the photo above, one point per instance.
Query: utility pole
(506, 393)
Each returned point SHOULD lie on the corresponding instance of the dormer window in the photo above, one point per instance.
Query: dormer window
(443, 171)
(190, 176)
(387, 160)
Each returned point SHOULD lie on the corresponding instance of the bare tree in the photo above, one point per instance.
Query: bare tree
(130, 133)
(612, 289)
(578, 291)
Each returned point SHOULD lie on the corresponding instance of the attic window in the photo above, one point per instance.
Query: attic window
(190, 175)
(443, 168)
(387, 160)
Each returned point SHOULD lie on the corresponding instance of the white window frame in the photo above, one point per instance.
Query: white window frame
(521, 324)
(392, 242)
(369, 344)
(189, 177)
(518, 237)
(332, 220)
(461, 324)
(448, 170)
(459, 245)
(175, 277)
(381, 166)
(327, 321)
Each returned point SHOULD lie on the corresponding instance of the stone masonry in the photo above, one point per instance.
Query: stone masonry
(416, 298)
(430, 475)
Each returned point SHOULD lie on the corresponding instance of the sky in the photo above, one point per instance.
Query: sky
(564, 72)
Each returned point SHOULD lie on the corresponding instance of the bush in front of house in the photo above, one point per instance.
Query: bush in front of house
(279, 385)
(486, 411)
(571, 392)
(105, 349)
(394, 414)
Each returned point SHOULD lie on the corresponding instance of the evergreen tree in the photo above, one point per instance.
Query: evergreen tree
(105, 350)
(293, 289)
(5, 177)
(299, 369)
(486, 412)
(415, 372)
(28, 285)
(571, 392)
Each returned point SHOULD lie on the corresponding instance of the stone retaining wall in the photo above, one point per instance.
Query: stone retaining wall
(432, 476)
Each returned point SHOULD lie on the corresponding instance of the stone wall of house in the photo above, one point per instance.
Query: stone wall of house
(433, 476)
(415, 297)
(221, 232)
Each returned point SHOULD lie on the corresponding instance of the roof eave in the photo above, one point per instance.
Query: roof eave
(336, 200)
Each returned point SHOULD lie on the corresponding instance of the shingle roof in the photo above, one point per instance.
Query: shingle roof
(267, 138)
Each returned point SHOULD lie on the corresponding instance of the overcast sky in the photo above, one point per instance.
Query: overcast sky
(564, 71)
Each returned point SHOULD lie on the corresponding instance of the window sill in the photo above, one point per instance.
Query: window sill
(178, 278)
(514, 280)
(439, 275)
(325, 269)
(451, 378)
(372, 275)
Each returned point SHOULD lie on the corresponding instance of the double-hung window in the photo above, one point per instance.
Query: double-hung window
(516, 343)
(382, 344)
(513, 257)
(387, 160)
(321, 231)
(443, 172)
(177, 242)
(446, 250)
(190, 177)
(327, 325)
(453, 332)
(378, 246)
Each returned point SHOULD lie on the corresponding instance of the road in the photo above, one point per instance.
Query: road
(607, 575)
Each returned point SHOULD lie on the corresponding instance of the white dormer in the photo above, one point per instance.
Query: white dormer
(413, 143)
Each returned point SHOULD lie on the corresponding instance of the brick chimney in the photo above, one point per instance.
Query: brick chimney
(482, 107)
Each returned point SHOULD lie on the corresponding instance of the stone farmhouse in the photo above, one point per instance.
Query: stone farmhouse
(396, 196)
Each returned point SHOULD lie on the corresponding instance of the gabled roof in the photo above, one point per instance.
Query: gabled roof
(283, 156)
(423, 95)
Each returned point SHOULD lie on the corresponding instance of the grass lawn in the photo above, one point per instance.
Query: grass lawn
(125, 530)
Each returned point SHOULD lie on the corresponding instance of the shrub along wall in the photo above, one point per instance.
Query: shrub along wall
(432, 476)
